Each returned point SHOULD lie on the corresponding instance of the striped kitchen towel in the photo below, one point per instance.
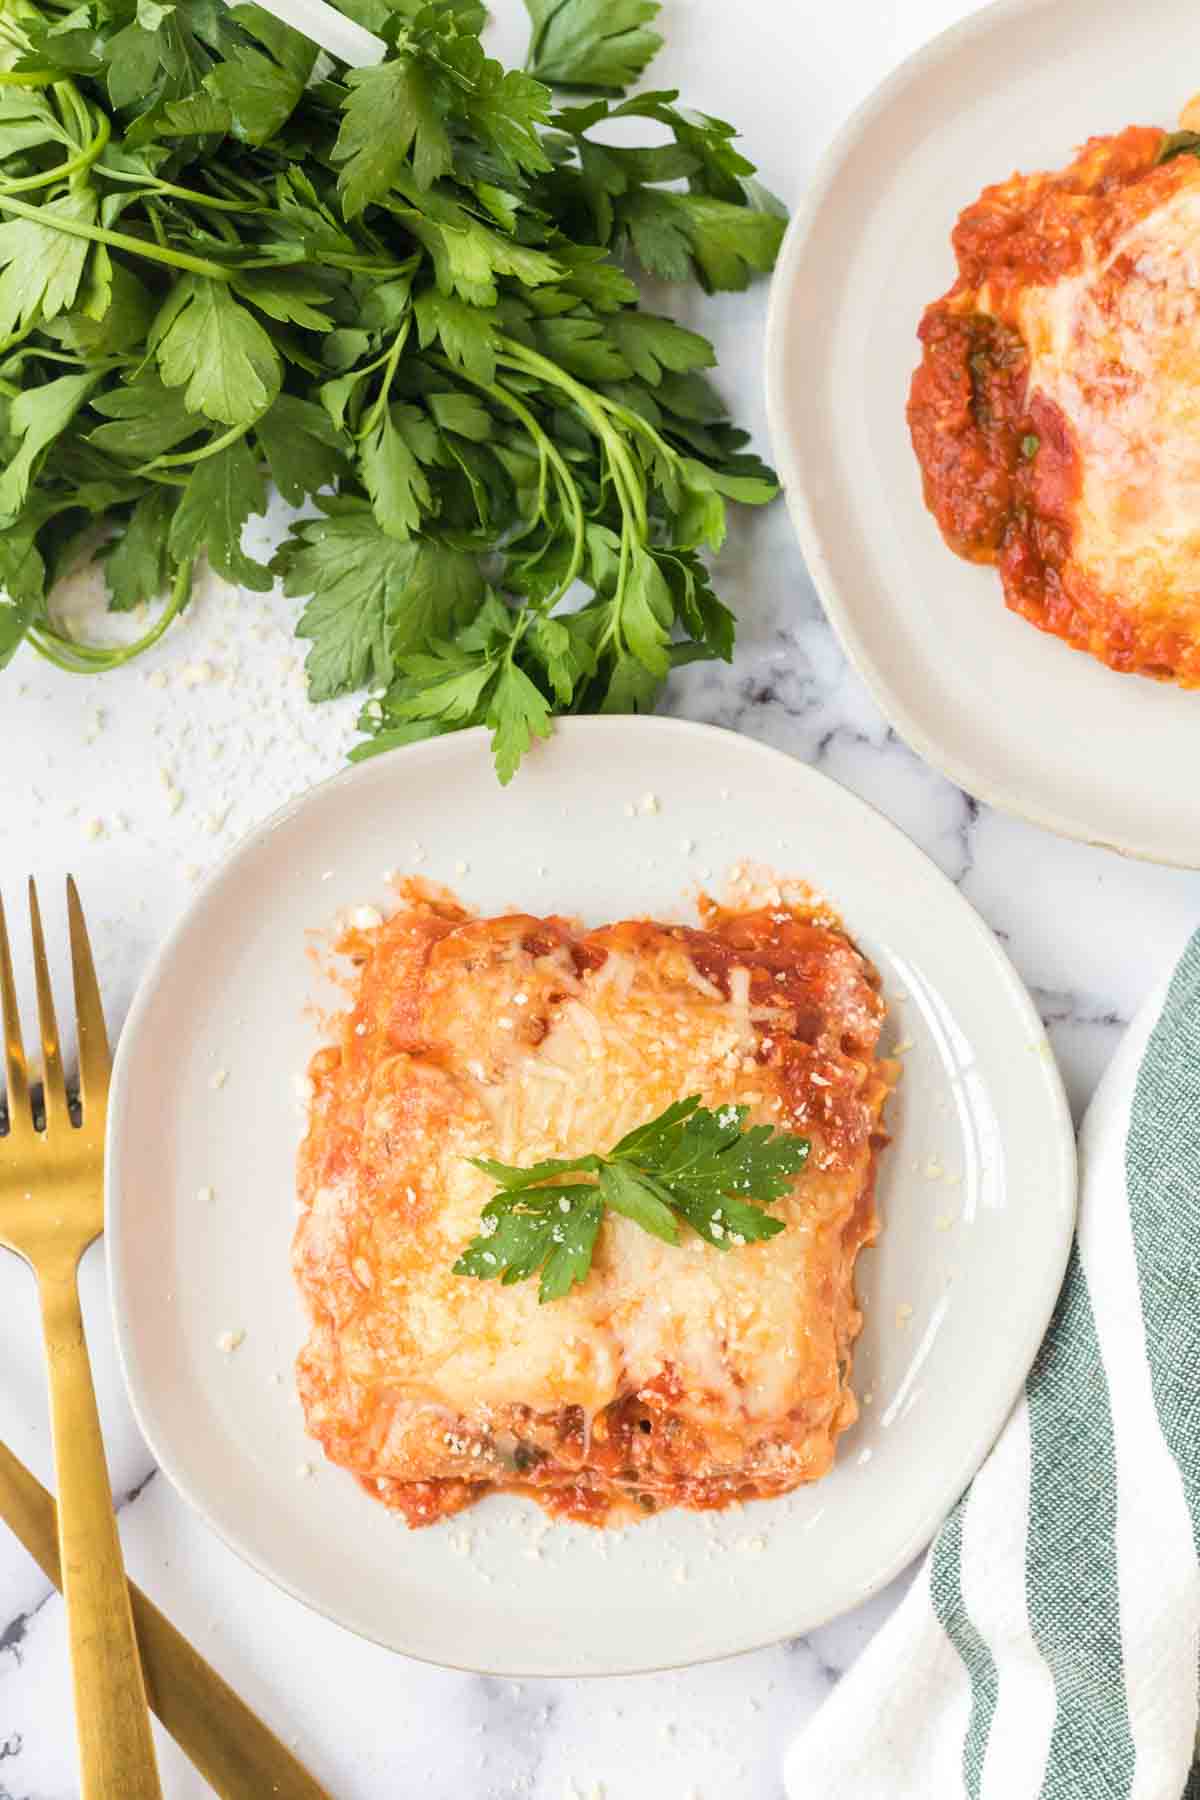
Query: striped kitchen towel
(1049, 1647)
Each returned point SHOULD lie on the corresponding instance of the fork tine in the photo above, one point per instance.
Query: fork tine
(95, 1060)
(54, 1087)
(20, 1116)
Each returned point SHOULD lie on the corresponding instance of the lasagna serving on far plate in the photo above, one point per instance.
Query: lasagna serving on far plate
(1056, 411)
(672, 1375)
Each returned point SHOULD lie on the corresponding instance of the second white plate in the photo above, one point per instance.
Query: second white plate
(1012, 715)
(976, 1191)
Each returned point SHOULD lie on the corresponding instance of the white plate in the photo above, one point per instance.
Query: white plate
(980, 1100)
(1009, 713)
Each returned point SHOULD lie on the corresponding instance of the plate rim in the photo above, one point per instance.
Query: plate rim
(802, 512)
(122, 1131)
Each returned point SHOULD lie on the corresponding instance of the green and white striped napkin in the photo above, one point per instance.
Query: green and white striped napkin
(1049, 1648)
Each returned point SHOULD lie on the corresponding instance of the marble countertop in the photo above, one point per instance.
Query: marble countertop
(139, 781)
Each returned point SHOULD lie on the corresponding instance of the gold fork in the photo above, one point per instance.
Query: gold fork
(51, 1209)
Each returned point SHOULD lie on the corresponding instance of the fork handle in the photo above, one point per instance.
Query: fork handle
(116, 1748)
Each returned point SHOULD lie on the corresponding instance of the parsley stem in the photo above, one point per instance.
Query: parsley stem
(181, 458)
(376, 409)
(65, 170)
(630, 487)
(192, 196)
(117, 240)
(226, 231)
(568, 488)
(72, 109)
(634, 422)
(93, 659)
(36, 351)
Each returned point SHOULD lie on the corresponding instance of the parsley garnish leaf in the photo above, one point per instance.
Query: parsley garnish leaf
(689, 1165)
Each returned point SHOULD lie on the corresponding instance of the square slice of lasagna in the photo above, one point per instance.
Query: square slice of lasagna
(674, 1375)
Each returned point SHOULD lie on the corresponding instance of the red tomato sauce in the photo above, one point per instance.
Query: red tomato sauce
(1000, 470)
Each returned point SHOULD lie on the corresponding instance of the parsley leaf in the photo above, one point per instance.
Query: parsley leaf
(37, 416)
(391, 110)
(1178, 143)
(551, 1230)
(16, 614)
(651, 345)
(726, 243)
(393, 476)
(304, 451)
(591, 43)
(374, 597)
(518, 713)
(467, 333)
(261, 90)
(144, 420)
(138, 566)
(23, 579)
(43, 267)
(689, 1165)
(477, 679)
(209, 344)
(289, 295)
(222, 493)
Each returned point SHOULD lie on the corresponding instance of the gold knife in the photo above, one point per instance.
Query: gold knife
(230, 1746)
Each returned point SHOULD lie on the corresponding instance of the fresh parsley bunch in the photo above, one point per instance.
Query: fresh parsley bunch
(691, 1166)
(400, 292)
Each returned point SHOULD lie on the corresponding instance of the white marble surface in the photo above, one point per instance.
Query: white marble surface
(140, 780)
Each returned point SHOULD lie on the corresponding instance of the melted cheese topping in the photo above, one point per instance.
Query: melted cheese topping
(1056, 409)
(1116, 348)
(520, 1039)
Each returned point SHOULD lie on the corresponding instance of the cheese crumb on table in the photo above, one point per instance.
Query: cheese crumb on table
(204, 1194)
(649, 803)
(218, 1078)
(229, 1341)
